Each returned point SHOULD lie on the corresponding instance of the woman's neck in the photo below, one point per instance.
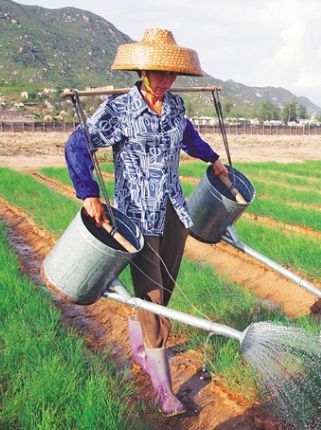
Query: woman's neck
(154, 102)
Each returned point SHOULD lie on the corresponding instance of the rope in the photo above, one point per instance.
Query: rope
(219, 113)
(83, 121)
(180, 289)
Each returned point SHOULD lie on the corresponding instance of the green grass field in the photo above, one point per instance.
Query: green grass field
(49, 380)
(207, 293)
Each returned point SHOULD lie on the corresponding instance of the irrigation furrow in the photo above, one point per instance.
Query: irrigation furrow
(297, 187)
(304, 205)
(190, 179)
(240, 268)
(270, 222)
(104, 325)
(264, 282)
(108, 175)
(291, 175)
(55, 185)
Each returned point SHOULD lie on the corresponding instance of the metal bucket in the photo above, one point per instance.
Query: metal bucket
(86, 259)
(213, 208)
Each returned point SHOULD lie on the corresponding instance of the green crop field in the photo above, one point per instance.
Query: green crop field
(48, 378)
(200, 290)
(288, 248)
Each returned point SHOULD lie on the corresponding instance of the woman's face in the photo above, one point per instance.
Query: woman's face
(160, 82)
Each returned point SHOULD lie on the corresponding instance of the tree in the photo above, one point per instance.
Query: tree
(189, 107)
(302, 112)
(267, 111)
(227, 107)
(289, 112)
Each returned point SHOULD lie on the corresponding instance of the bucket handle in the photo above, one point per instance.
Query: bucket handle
(119, 238)
(232, 189)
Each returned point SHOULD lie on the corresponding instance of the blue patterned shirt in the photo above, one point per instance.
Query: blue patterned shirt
(146, 150)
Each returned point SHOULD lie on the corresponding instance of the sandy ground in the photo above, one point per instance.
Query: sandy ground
(34, 150)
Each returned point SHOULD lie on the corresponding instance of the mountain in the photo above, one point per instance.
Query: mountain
(60, 47)
(243, 94)
(69, 47)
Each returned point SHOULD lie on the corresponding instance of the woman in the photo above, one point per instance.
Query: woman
(147, 128)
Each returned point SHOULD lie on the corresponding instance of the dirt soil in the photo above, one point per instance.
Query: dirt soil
(31, 150)
(104, 324)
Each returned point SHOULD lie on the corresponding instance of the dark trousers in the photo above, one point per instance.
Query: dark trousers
(151, 280)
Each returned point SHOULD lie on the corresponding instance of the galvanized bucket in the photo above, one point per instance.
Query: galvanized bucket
(86, 259)
(213, 208)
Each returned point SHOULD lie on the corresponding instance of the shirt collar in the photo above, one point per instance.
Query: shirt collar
(136, 101)
(138, 104)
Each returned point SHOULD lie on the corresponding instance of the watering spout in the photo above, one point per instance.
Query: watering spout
(118, 292)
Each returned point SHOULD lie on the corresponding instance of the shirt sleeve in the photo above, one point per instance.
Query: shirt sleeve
(80, 165)
(104, 125)
(104, 131)
(195, 146)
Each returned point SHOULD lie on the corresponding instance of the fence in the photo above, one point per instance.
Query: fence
(34, 127)
(16, 127)
(260, 129)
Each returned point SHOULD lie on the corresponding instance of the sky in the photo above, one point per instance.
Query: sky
(255, 42)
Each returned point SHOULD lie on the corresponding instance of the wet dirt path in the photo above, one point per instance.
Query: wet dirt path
(104, 325)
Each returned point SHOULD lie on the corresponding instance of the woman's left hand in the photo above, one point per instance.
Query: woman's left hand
(219, 168)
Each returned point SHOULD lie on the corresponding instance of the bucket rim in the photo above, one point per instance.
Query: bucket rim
(124, 221)
(240, 176)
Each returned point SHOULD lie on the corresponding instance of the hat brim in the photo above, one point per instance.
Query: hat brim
(169, 58)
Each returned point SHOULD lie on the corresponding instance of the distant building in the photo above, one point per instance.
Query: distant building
(47, 118)
(309, 122)
(19, 105)
(273, 122)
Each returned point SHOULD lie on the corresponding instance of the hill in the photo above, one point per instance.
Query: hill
(68, 47)
(59, 47)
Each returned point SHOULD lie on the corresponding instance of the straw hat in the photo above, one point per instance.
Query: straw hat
(157, 51)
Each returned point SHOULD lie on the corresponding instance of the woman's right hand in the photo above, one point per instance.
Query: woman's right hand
(94, 208)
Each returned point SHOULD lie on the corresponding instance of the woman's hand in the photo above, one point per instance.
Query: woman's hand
(219, 168)
(95, 209)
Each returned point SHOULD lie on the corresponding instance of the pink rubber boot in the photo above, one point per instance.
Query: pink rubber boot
(137, 343)
(158, 369)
